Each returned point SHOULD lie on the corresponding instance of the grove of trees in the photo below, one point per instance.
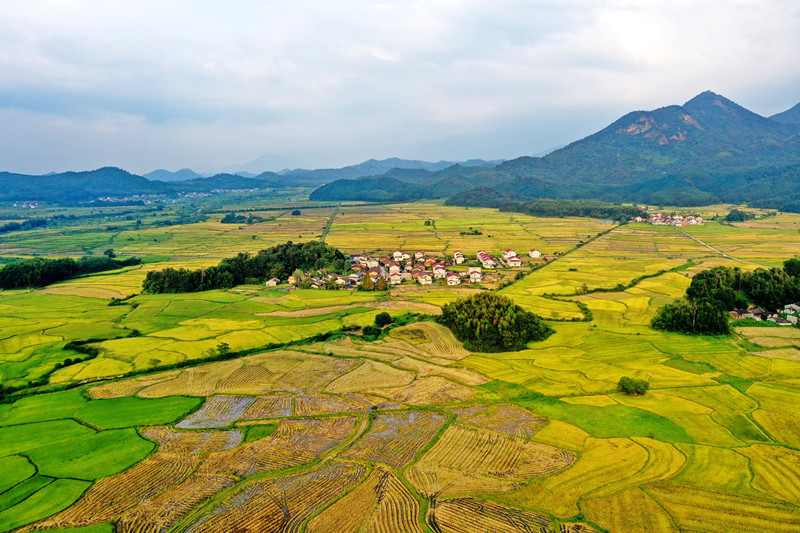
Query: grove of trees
(487, 322)
(276, 262)
(38, 272)
(718, 290)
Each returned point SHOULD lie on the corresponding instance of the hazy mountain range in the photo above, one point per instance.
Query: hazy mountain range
(706, 150)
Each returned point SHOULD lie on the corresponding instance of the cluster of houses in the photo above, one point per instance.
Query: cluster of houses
(670, 220)
(402, 266)
(791, 312)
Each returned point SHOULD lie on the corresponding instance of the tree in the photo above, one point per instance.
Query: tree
(383, 319)
(632, 386)
(110, 253)
(381, 283)
(792, 267)
(367, 284)
(296, 212)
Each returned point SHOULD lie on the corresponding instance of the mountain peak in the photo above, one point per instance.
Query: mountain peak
(790, 116)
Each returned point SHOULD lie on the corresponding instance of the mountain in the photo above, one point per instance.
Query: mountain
(708, 132)
(165, 175)
(790, 116)
(76, 186)
(373, 167)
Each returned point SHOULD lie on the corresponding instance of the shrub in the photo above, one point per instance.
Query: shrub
(383, 319)
(632, 386)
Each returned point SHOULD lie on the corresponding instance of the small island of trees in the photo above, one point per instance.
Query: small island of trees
(487, 322)
(715, 292)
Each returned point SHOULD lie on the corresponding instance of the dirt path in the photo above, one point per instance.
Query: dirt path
(723, 254)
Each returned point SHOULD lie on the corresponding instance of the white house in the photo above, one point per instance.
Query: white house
(514, 261)
(453, 279)
(394, 268)
(425, 278)
(274, 282)
(458, 258)
(419, 255)
(508, 252)
(398, 255)
(475, 275)
(439, 270)
(534, 253)
(396, 278)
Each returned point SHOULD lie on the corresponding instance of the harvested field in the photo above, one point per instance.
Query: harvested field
(576, 527)
(195, 381)
(380, 503)
(325, 404)
(369, 376)
(791, 354)
(468, 514)
(169, 507)
(293, 443)
(434, 481)
(508, 419)
(465, 376)
(186, 443)
(128, 387)
(281, 504)
(277, 405)
(395, 438)
(430, 391)
(487, 453)
(441, 342)
(110, 497)
(313, 373)
(217, 412)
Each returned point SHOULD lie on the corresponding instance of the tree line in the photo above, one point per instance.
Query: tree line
(23, 226)
(39, 272)
(715, 292)
(487, 322)
(276, 262)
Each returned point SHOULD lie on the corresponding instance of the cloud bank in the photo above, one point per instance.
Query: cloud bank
(148, 84)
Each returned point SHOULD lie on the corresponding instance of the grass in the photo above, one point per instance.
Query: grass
(133, 412)
(50, 499)
(15, 469)
(259, 431)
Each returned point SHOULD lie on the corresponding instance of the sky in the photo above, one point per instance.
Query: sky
(266, 85)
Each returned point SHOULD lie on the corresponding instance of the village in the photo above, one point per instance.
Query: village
(789, 316)
(658, 219)
(425, 269)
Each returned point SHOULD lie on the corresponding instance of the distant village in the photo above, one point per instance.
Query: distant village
(790, 315)
(670, 220)
(420, 267)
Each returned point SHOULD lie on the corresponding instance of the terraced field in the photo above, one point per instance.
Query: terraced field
(410, 432)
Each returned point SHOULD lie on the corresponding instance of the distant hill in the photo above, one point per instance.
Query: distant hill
(790, 116)
(166, 175)
(77, 186)
(398, 185)
(372, 167)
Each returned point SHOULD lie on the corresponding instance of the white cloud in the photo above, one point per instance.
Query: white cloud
(185, 83)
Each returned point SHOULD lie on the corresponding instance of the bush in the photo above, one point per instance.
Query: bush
(383, 319)
(632, 386)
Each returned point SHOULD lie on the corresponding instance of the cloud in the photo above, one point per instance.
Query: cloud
(150, 84)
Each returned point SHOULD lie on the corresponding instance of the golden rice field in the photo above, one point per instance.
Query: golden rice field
(413, 433)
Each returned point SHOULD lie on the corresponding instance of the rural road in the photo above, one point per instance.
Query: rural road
(723, 254)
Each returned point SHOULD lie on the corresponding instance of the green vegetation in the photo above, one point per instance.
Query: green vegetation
(25, 225)
(715, 291)
(276, 262)
(133, 412)
(39, 272)
(383, 319)
(50, 499)
(737, 215)
(487, 322)
(632, 386)
(259, 431)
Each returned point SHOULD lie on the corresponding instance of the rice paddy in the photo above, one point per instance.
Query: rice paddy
(410, 432)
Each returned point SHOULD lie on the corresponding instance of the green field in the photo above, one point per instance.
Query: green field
(401, 431)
